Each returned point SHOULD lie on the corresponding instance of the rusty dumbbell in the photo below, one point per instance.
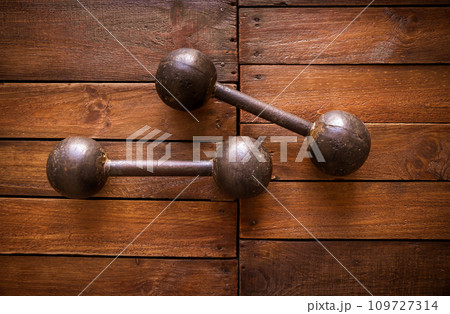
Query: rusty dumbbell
(78, 167)
(187, 79)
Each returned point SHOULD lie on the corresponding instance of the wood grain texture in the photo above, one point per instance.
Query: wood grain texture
(305, 268)
(319, 3)
(37, 275)
(106, 227)
(23, 172)
(349, 210)
(379, 35)
(375, 93)
(398, 152)
(113, 111)
(59, 41)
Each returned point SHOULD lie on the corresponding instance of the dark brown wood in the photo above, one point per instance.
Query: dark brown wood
(102, 111)
(59, 40)
(319, 3)
(23, 172)
(349, 210)
(398, 152)
(106, 227)
(379, 35)
(40, 275)
(374, 93)
(305, 268)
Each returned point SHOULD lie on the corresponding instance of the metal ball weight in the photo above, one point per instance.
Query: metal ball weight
(187, 79)
(78, 167)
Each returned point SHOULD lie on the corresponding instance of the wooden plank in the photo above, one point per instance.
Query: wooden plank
(106, 227)
(305, 268)
(398, 152)
(324, 3)
(40, 275)
(59, 41)
(379, 35)
(23, 172)
(375, 93)
(349, 210)
(113, 111)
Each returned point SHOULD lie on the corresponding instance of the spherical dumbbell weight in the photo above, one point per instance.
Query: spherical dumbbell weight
(187, 79)
(78, 168)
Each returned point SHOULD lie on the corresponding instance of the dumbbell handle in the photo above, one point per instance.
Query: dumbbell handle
(168, 168)
(265, 111)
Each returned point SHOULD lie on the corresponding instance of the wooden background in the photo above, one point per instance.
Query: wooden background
(389, 223)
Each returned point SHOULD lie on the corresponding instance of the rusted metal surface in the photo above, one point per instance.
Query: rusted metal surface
(185, 79)
(239, 172)
(343, 140)
(154, 168)
(265, 111)
(78, 168)
(190, 78)
(75, 167)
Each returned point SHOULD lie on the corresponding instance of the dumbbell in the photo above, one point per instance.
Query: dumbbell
(186, 79)
(78, 167)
